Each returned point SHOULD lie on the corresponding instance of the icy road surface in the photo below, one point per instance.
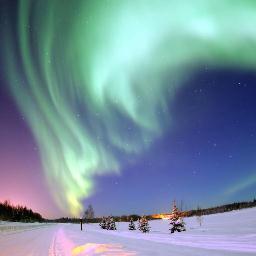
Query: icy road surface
(232, 233)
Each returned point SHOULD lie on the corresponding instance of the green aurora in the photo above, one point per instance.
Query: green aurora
(80, 69)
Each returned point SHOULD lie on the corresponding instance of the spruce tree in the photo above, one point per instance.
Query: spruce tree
(108, 222)
(176, 221)
(111, 224)
(103, 223)
(132, 225)
(143, 225)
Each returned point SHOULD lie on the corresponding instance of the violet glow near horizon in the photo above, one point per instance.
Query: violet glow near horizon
(115, 109)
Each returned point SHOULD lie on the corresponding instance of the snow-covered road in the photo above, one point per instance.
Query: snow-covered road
(231, 233)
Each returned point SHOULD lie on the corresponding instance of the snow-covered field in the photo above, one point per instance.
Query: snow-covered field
(232, 233)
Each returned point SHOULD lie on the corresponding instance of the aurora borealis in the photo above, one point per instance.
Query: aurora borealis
(96, 80)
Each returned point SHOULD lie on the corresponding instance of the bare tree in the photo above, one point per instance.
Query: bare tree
(199, 216)
(89, 213)
(181, 205)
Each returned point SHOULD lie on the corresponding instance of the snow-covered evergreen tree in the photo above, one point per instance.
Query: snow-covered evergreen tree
(111, 224)
(143, 225)
(176, 221)
(107, 223)
(132, 225)
(103, 223)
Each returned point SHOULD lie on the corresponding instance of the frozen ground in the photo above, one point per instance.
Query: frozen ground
(232, 233)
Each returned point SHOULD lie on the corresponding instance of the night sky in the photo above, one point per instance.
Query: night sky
(124, 106)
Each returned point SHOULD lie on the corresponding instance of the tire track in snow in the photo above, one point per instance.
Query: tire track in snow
(61, 245)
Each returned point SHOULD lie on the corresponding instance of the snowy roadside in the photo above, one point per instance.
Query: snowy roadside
(13, 227)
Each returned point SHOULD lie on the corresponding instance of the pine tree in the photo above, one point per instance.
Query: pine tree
(132, 225)
(111, 224)
(103, 223)
(108, 223)
(143, 225)
(176, 221)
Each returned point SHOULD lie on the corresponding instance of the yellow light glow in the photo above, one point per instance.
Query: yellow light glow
(101, 249)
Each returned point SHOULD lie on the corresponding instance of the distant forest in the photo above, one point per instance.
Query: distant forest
(10, 212)
(221, 209)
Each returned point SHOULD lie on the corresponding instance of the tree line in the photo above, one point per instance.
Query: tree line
(9, 212)
(221, 209)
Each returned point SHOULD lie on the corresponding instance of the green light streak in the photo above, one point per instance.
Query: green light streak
(241, 185)
(109, 61)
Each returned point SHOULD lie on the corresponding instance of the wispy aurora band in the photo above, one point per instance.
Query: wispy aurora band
(109, 61)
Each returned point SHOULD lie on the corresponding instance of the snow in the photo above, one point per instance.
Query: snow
(13, 227)
(232, 233)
